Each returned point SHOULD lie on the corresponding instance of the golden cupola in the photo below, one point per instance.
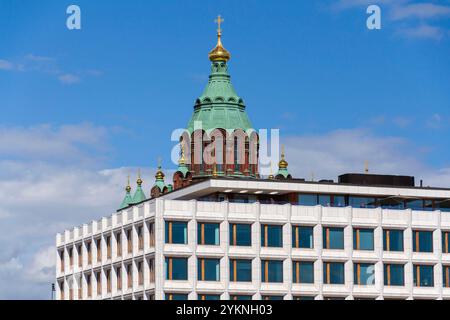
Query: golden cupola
(219, 53)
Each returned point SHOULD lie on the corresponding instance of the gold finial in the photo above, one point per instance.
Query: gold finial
(159, 174)
(139, 180)
(283, 163)
(128, 187)
(219, 53)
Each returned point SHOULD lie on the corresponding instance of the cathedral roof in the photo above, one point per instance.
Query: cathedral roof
(139, 195)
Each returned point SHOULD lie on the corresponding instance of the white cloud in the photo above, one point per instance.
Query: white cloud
(68, 78)
(423, 31)
(345, 151)
(419, 10)
(6, 65)
(56, 183)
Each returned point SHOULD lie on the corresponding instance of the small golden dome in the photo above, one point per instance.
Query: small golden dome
(219, 53)
(283, 163)
(159, 174)
(128, 189)
(139, 180)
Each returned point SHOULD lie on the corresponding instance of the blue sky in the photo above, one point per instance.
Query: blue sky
(82, 109)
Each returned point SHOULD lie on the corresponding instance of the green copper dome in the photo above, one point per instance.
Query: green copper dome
(139, 195)
(219, 106)
(127, 200)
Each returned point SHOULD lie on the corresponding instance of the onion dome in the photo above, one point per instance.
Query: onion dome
(219, 53)
(139, 195)
(127, 200)
(182, 167)
(283, 172)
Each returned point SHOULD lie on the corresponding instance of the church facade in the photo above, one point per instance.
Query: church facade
(220, 230)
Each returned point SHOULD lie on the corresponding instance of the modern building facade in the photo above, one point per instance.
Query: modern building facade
(221, 231)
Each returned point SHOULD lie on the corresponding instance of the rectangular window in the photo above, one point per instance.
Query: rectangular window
(119, 244)
(392, 240)
(208, 233)
(89, 285)
(71, 257)
(240, 297)
(272, 297)
(271, 235)
(176, 232)
(140, 233)
(108, 281)
(364, 274)
(445, 242)
(140, 270)
(333, 238)
(119, 278)
(305, 298)
(271, 271)
(333, 273)
(89, 251)
(80, 255)
(307, 199)
(324, 200)
(99, 250)
(108, 247)
(208, 297)
(240, 270)
(423, 276)
(338, 201)
(176, 269)
(394, 275)
(423, 241)
(61, 256)
(303, 272)
(129, 241)
(302, 237)
(99, 283)
(176, 296)
(361, 202)
(151, 234)
(446, 276)
(208, 269)
(363, 239)
(129, 269)
(240, 234)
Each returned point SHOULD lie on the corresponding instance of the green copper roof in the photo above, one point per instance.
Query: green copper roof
(182, 167)
(219, 106)
(127, 200)
(139, 195)
(284, 172)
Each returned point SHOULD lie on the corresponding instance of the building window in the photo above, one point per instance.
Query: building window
(89, 285)
(98, 276)
(140, 237)
(303, 272)
(364, 274)
(176, 296)
(445, 242)
(80, 255)
(240, 234)
(362, 202)
(61, 290)
(363, 239)
(119, 244)
(333, 238)
(271, 271)
(303, 298)
(89, 251)
(394, 275)
(108, 247)
(272, 297)
(151, 266)
(151, 233)
(240, 297)
(271, 235)
(208, 297)
(176, 232)
(99, 249)
(423, 241)
(446, 276)
(61, 256)
(423, 276)
(119, 278)
(307, 199)
(208, 269)
(302, 237)
(71, 256)
(129, 233)
(140, 270)
(129, 269)
(392, 240)
(176, 269)
(333, 273)
(208, 233)
(240, 270)
(108, 280)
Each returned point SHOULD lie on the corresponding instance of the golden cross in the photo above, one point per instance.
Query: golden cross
(219, 20)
